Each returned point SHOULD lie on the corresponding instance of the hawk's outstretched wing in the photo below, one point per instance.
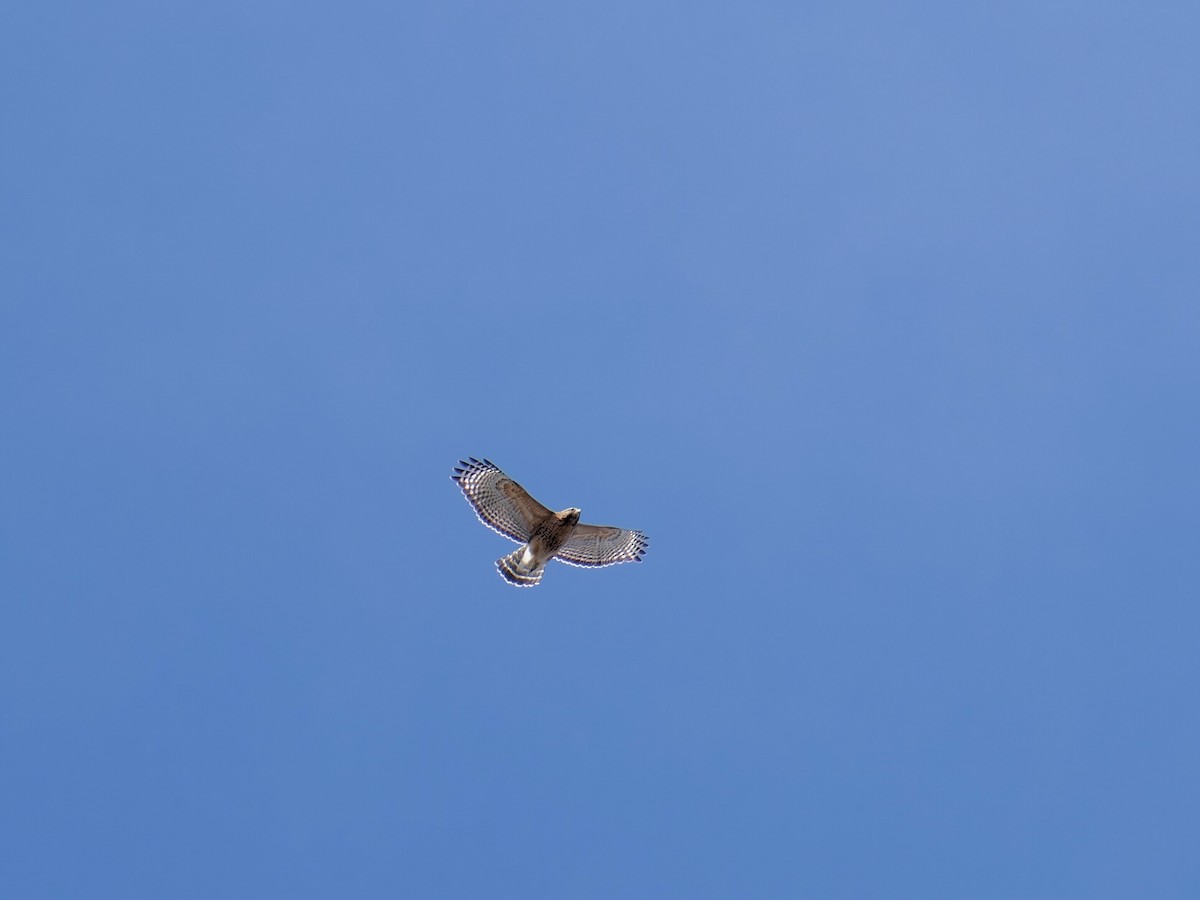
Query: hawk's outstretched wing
(602, 545)
(501, 503)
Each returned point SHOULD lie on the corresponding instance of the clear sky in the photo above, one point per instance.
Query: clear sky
(880, 319)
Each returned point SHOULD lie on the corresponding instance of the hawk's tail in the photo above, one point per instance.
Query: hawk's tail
(515, 572)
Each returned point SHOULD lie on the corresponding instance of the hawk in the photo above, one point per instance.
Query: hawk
(504, 506)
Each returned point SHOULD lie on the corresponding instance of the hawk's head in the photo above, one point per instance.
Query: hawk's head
(570, 515)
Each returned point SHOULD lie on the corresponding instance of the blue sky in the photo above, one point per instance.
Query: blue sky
(881, 320)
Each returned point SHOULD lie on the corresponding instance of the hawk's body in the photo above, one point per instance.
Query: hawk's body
(506, 507)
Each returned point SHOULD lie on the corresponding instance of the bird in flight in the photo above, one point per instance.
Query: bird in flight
(504, 506)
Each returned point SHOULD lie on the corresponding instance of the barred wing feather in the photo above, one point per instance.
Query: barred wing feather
(501, 504)
(602, 545)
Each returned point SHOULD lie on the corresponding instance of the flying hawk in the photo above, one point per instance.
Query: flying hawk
(506, 507)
